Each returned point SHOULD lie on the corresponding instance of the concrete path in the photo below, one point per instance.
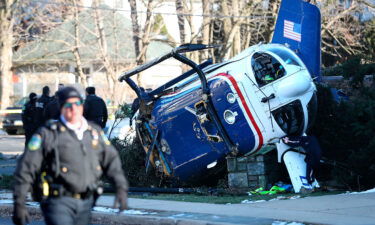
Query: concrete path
(341, 209)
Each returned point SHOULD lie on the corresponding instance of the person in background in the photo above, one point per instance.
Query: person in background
(313, 153)
(70, 156)
(29, 116)
(52, 110)
(41, 104)
(60, 86)
(95, 108)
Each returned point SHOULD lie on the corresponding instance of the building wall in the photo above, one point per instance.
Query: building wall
(33, 79)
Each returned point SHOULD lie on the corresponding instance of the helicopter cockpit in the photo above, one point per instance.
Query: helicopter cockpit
(266, 68)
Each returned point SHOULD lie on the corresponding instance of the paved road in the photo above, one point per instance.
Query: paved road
(8, 221)
(12, 144)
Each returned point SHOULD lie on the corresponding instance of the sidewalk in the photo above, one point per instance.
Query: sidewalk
(343, 209)
(350, 209)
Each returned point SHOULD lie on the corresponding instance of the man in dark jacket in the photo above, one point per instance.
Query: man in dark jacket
(29, 116)
(41, 104)
(70, 155)
(95, 108)
(52, 110)
(313, 153)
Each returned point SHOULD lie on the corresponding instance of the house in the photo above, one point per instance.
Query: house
(50, 59)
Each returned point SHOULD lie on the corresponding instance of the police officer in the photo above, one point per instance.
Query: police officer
(95, 108)
(52, 110)
(71, 155)
(41, 104)
(29, 116)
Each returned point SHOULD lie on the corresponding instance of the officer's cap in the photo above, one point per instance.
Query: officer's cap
(66, 93)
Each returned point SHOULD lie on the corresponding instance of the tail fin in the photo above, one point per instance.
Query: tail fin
(298, 26)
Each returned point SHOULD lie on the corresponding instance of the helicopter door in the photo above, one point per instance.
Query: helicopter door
(266, 71)
(207, 125)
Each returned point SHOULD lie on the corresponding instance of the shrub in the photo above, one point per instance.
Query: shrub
(133, 162)
(346, 133)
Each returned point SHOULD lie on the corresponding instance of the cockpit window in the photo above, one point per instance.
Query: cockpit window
(286, 56)
(266, 68)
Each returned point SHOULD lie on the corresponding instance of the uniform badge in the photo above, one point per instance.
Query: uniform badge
(95, 138)
(94, 143)
(105, 139)
(35, 142)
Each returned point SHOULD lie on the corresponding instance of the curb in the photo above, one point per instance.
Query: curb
(6, 211)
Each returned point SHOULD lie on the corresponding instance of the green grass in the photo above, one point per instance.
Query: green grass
(225, 199)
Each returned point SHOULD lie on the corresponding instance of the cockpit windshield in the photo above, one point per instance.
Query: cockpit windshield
(286, 56)
(266, 68)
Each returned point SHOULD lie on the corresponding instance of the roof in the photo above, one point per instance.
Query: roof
(56, 45)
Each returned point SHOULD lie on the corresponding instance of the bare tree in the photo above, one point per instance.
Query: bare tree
(136, 28)
(6, 44)
(142, 34)
(342, 30)
(75, 47)
(206, 26)
(180, 20)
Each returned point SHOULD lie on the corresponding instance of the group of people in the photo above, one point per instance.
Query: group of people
(39, 110)
(65, 156)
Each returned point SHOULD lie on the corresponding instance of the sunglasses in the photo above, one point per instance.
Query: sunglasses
(69, 105)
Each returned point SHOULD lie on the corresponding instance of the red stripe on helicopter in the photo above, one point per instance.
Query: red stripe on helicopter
(247, 109)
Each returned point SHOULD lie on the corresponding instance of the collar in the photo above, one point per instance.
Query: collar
(79, 127)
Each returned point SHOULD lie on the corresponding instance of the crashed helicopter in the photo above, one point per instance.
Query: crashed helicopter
(236, 107)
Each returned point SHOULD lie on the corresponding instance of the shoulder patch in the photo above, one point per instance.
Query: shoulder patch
(105, 139)
(35, 142)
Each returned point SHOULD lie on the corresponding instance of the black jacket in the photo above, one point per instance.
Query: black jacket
(52, 110)
(95, 110)
(41, 104)
(29, 117)
(81, 162)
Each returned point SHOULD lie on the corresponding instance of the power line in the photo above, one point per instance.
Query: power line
(153, 13)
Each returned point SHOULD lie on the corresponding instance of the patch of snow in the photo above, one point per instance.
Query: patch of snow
(295, 197)
(369, 191)
(279, 198)
(6, 201)
(273, 199)
(33, 204)
(286, 223)
(128, 212)
(121, 130)
(249, 201)
(362, 192)
(177, 215)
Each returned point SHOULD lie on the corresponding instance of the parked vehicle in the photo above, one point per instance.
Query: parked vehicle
(12, 122)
